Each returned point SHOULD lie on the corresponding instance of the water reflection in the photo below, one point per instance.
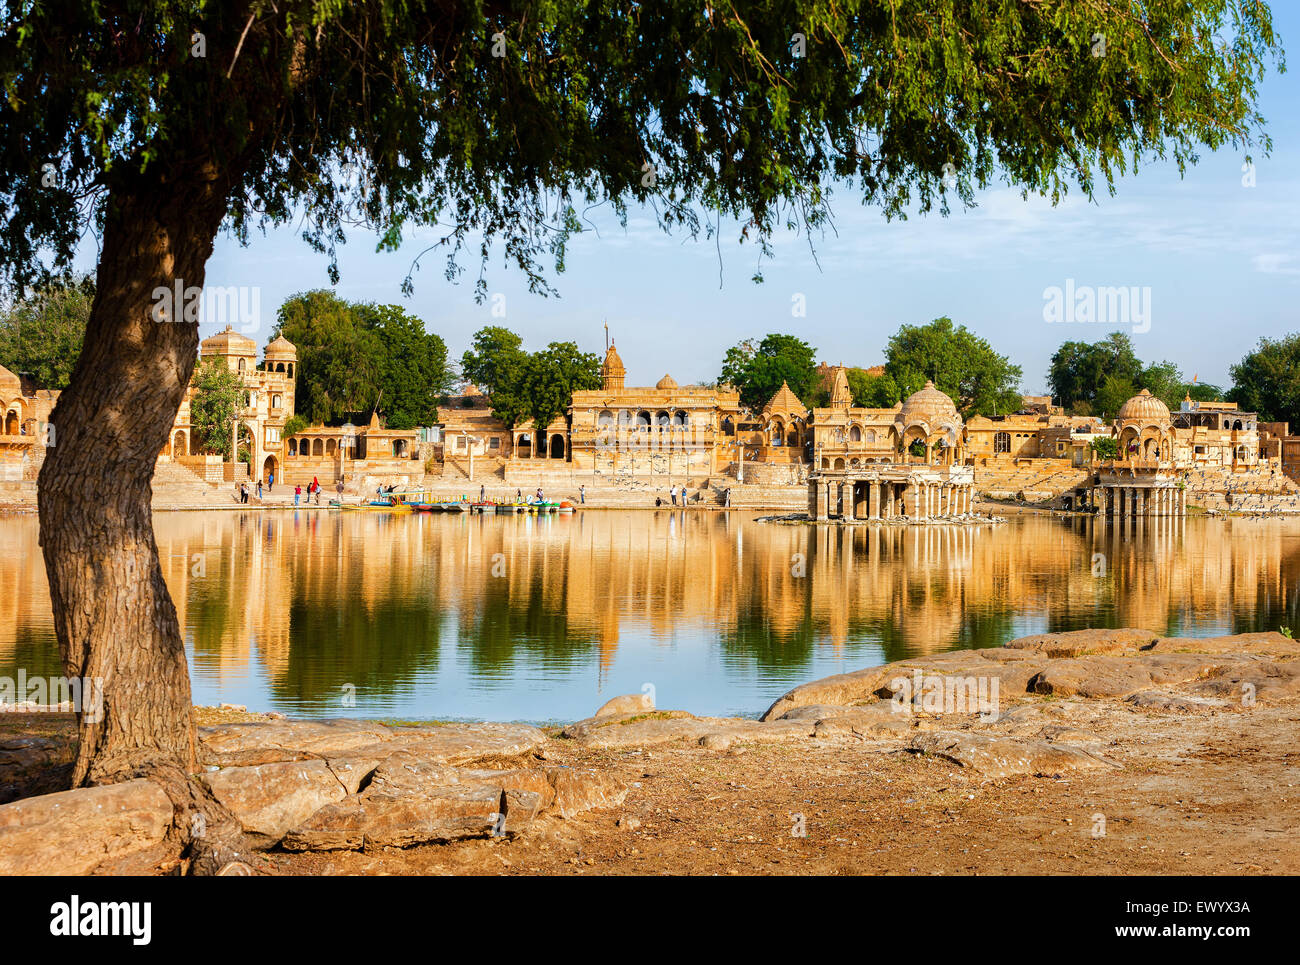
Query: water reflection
(542, 618)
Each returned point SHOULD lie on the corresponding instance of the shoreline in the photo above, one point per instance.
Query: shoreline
(1183, 746)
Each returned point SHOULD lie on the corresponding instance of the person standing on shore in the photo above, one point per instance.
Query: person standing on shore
(582, 493)
(259, 490)
(297, 494)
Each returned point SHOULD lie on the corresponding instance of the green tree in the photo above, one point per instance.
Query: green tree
(757, 371)
(496, 123)
(217, 392)
(41, 334)
(413, 369)
(1100, 377)
(551, 376)
(1267, 380)
(340, 358)
(872, 391)
(959, 362)
(1078, 369)
(1105, 447)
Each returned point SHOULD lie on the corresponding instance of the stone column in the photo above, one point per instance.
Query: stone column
(860, 502)
(873, 499)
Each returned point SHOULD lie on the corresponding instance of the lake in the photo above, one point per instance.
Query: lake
(440, 617)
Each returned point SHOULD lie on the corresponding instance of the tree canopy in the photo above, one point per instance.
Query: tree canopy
(354, 357)
(959, 362)
(213, 407)
(1267, 380)
(757, 370)
(1097, 378)
(497, 121)
(522, 386)
(41, 334)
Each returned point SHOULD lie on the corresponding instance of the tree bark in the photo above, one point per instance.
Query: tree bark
(114, 619)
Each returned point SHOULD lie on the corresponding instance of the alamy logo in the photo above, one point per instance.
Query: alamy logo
(84, 695)
(946, 694)
(238, 306)
(1084, 305)
(74, 917)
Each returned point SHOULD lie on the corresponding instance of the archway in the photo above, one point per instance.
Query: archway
(1001, 442)
(178, 444)
(557, 446)
(270, 470)
(11, 423)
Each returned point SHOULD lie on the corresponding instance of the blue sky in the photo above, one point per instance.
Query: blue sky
(1221, 261)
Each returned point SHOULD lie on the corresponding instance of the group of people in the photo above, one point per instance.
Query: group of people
(313, 488)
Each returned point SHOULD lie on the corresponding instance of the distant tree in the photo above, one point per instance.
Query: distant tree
(217, 393)
(1078, 369)
(1099, 377)
(493, 359)
(552, 375)
(41, 334)
(1105, 447)
(523, 386)
(872, 391)
(340, 359)
(757, 370)
(959, 362)
(1267, 380)
(295, 424)
(413, 369)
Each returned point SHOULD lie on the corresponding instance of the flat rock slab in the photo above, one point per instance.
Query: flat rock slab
(74, 832)
(1160, 702)
(621, 733)
(386, 820)
(34, 765)
(1247, 680)
(1075, 643)
(265, 742)
(997, 757)
(1114, 676)
(582, 729)
(458, 743)
(271, 799)
(1270, 644)
(1012, 668)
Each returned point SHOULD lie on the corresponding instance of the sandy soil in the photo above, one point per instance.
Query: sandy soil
(1197, 795)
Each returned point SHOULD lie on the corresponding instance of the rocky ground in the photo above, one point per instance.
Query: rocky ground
(1104, 752)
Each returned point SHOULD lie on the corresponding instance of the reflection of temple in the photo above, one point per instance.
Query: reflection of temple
(309, 602)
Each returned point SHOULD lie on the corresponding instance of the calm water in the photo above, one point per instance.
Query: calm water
(542, 619)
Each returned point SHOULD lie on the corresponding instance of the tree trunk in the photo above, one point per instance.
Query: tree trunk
(115, 621)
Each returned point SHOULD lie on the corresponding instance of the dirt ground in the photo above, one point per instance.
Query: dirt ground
(1197, 796)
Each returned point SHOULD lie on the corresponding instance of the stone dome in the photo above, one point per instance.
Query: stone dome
(667, 382)
(281, 348)
(1143, 407)
(930, 406)
(228, 342)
